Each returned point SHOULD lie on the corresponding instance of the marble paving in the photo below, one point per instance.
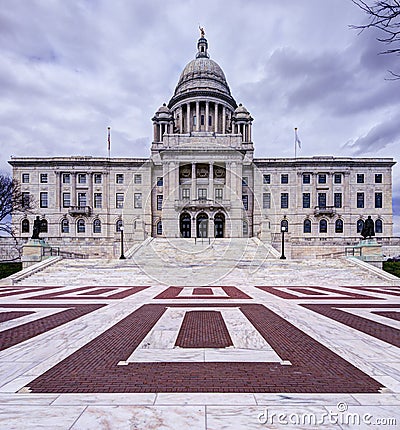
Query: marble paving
(200, 336)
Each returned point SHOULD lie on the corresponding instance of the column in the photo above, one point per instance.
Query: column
(73, 189)
(58, 191)
(193, 190)
(197, 116)
(207, 114)
(193, 227)
(211, 229)
(180, 119)
(249, 126)
(226, 195)
(90, 190)
(155, 132)
(211, 182)
(188, 117)
(223, 120)
(216, 118)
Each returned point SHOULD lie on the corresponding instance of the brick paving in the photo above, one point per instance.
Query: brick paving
(173, 293)
(8, 316)
(23, 290)
(203, 291)
(381, 290)
(94, 368)
(387, 314)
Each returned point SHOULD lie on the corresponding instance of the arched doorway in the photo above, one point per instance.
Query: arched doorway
(202, 225)
(185, 225)
(219, 224)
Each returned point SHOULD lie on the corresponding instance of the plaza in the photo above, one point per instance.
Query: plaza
(212, 334)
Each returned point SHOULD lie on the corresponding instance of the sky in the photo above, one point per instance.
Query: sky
(69, 69)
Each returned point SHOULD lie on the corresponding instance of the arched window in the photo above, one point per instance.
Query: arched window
(159, 227)
(25, 226)
(96, 226)
(378, 226)
(284, 223)
(118, 225)
(307, 226)
(323, 226)
(339, 226)
(80, 226)
(43, 226)
(360, 225)
(64, 226)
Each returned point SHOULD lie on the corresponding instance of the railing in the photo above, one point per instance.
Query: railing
(350, 251)
(80, 210)
(324, 210)
(56, 252)
(202, 204)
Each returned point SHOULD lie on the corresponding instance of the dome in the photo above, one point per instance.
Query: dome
(241, 112)
(163, 112)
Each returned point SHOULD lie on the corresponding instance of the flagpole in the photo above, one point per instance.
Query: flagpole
(109, 141)
(295, 143)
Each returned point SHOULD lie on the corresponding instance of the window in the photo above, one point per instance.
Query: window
(44, 226)
(25, 226)
(360, 178)
(82, 200)
(202, 193)
(284, 179)
(137, 179)
(360, 200)
(202, 119)
(266, 179)
(194, 120)
(337, 179)
(98, 179)
(378, 200)
(119, 200)
(25, 178)
(218, 194)
(322, 200)
(306, 200)
(119, 178)
(322, 178)
(337, 200)
(96, 226)
(267, 200)
(160, 181)
(378, 226)
(360, 225)
(118, 225)
(43, 178)
(159, 202)
(81, 178)
(64, 226)
(159, 227)
(378, 178)
(98, 200)
(339, 226)
(307, 226)
(284, 200)
(25, 199)
(306, 178)
(66, 178)
(137, 200)
(44, 200)
(80, 226)
(245, 181)
(285, 225)
(323, 226)
(245, 200)
(245, 229)
(185, 193)
(66, 200)
(210, 120)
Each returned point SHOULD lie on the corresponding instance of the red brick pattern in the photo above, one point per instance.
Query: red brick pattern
(203, 329)
(373, 328)
(387, 314)
(13, 336)
(203, 291)
(94, 294)
(231, 293)
(314, 369)
(8, 316)
(392, 291)
(311, 295)
(23, 290)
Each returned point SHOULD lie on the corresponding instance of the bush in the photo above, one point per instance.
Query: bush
(7, 269)
(392, 267)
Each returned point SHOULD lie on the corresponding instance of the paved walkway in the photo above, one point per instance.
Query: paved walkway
(219, 335)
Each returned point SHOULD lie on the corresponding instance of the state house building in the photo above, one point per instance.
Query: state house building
(202, 180)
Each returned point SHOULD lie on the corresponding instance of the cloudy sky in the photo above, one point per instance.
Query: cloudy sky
(69, 69)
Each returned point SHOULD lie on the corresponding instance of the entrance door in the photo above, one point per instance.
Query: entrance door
(186, 225)
(202, 225)
(219, 221)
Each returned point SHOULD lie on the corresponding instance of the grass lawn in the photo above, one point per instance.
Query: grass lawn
(7, 269)
(392, 267)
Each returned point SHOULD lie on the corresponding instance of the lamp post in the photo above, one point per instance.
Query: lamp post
(122, 257)
(283, 229)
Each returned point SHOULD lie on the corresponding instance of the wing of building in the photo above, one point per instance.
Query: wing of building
(202, 180)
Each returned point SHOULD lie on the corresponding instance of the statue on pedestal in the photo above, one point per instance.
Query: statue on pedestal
(369, 228)
(36, 228)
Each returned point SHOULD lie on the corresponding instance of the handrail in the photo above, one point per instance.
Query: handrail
(55, 251)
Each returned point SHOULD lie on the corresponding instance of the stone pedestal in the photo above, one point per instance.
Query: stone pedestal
(32, 252)
(370, 252)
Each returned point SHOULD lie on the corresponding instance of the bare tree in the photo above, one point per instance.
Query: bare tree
(385, 16)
